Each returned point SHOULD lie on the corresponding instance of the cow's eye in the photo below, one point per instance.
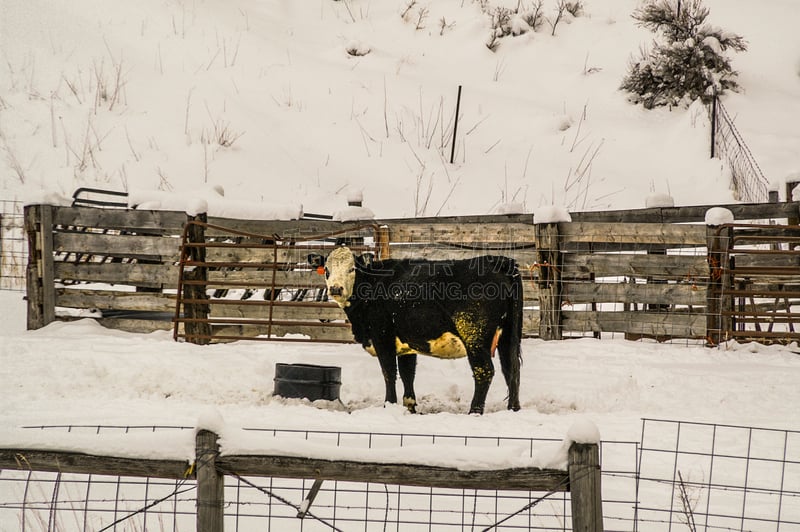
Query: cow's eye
(351, 270)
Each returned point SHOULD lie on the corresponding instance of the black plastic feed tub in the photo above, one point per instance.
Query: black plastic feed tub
(308, 381)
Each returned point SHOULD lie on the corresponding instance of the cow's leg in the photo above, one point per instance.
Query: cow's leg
(388, 360)
(482, 373)
(408, 368)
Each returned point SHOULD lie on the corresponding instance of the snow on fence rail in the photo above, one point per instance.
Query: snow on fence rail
(218, 279)
(679, 475)
(513, 490)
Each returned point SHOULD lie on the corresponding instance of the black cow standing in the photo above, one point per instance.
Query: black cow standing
(447, 309)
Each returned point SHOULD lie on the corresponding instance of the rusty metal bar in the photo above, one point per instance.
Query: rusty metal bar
(265, 339)
(758, 282)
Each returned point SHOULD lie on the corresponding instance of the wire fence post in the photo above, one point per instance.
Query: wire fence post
(210, 483)
(718, 324)
(196, 308)
(584, 486)
(548, 259)
(713, 125)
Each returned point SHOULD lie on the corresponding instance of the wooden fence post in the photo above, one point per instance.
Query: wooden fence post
(197, 332)
(791, 184)
(210, 483)
(719, 243)
(39, 280)
(548, 260)
(584, 486)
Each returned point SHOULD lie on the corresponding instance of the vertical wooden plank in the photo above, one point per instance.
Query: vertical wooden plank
(548, 267)
(39, 274)
(197, 332)
(210, 483)
(48, 282)
(791, 185)
(33, 278)
(584, 486)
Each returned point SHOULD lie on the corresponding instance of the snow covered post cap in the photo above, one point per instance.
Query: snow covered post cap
(659, 200)
(792, 189)
(550, 214)
(510, 208)
(355, 198)
(355, 210)
(719, 216)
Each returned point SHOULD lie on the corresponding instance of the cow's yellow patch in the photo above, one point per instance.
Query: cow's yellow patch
(447, 345)
(469, 326)
(402, 348)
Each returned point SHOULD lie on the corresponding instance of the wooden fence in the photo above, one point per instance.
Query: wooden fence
(649, 273)
(582, 478)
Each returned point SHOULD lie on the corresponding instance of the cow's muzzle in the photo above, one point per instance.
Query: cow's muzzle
(336, 290)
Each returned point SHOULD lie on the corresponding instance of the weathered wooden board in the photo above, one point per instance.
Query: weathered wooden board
(114, 300)
(281, 310)
(136, 326)
(457, 233)
(678, 267)
(675, 324)
(526, 479)
(253, 277)
(151, 247)
(289, 229)
(530, 322)
(524, 257)
(147, 275)
(268, 255)
(143, 222)
(329, 332)
(662, 234)
(87, 464)
(650, 293)
(689, 214)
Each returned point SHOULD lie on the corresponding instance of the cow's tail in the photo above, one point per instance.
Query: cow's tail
(509, 346)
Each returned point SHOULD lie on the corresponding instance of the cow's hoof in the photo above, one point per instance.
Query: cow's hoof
(514, 406)
(411, 404)
(477, 410)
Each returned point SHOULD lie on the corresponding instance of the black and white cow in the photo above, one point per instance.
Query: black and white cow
(447, 309)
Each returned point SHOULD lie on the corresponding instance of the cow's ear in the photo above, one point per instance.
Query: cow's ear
(316, 260)
(365, 260)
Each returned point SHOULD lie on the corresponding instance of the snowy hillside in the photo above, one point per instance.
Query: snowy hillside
(265, 98)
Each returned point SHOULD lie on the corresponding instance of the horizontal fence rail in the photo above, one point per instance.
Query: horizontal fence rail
(222, 280)
(347, 481)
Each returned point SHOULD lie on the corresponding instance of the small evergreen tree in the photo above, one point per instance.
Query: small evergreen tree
(687, 62)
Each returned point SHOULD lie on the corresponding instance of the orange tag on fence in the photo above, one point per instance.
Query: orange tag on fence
(321, 270)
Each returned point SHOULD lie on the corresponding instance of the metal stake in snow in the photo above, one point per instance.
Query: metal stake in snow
(455, 126)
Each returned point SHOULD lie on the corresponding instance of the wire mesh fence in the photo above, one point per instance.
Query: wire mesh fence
(747, 179)
(703, 476)
(680, 476)
(53, 501)
(13, 246)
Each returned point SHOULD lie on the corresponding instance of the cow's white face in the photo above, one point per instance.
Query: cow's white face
(340, 275)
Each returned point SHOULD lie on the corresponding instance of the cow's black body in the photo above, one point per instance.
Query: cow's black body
(399, 308)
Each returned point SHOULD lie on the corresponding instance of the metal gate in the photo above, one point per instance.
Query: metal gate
(760, 292)
(236, 285)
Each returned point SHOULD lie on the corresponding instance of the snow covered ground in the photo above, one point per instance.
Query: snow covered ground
(263, 98)
(80, 373)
